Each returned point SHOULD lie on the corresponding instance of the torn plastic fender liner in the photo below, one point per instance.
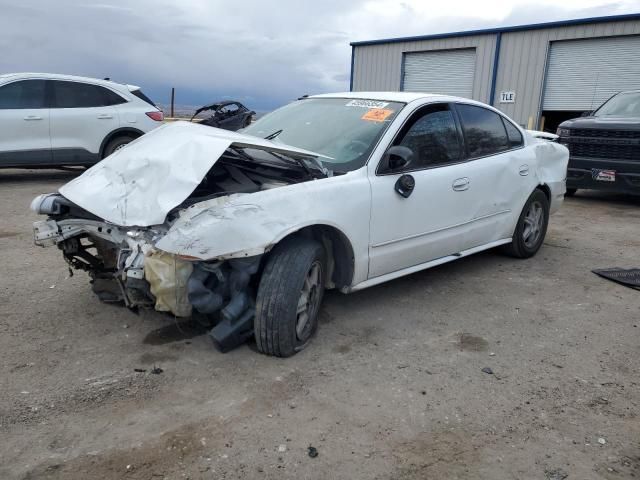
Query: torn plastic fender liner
(138, 185)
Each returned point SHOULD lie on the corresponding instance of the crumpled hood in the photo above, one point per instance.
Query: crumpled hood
(139, 184)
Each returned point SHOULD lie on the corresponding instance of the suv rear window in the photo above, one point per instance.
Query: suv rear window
(112, 98)
(138, 93)
(82, 95)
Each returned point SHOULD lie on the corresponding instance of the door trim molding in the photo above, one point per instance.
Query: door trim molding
(423, 266)
(418, 235)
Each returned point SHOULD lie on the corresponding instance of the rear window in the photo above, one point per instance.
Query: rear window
(138, 93)
(514, 135)
(112, 98)
(82, 95)
(484, 131)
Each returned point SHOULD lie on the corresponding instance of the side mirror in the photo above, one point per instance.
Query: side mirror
(398, 158)
(586, 114)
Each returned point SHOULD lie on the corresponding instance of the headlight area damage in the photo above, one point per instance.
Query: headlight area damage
(111, 220)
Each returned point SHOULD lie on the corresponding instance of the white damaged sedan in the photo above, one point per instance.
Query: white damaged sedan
(247, 230)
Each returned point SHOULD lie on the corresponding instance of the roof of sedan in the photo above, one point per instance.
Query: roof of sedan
(382, 96)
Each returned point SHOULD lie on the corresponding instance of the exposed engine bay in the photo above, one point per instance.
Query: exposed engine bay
(125, 267)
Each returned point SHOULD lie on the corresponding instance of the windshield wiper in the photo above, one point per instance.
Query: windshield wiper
(242, 154)
(273, 135)
(302, 162)
(288, 159)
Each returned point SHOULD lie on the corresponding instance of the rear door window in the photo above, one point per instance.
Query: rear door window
(81, 95)
(25, 94)
(484, 132)
(111, 97)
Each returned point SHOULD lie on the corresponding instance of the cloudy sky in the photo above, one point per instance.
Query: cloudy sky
(262, 52)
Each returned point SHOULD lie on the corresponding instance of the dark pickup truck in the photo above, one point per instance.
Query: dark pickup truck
(604, 147)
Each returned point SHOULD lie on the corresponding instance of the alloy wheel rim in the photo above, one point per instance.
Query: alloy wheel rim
(308, 301)
(533, 222)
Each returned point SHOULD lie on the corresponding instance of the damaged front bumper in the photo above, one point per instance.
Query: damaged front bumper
(125, 266)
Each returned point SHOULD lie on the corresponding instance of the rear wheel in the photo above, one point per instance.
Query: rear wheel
(289, 297)
(116, 144)
(570, 192)
(531, 228)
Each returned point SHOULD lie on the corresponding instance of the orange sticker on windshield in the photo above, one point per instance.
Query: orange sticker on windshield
(377, 114)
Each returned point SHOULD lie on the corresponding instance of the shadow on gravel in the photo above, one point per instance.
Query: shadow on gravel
(611, 198)
(175, 332)
(37, 175)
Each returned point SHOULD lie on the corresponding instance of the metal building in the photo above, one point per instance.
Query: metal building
(537, 74)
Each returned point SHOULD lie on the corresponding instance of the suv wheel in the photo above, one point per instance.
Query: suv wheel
(570, 192)
(289, 297)
(531, 228)
(116, 144)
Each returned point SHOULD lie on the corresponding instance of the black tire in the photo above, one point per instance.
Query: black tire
(116, 143)
(570, 192)
(519, 247)
(278, 326)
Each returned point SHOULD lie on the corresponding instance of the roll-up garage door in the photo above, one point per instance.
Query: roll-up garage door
(582, 74)
(448, 72)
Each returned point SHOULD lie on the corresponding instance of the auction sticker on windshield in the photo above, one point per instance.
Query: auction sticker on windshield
(366, 104)
(377, 115)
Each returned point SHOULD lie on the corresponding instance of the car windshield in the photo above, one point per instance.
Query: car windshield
(621, 105)
(346, 130)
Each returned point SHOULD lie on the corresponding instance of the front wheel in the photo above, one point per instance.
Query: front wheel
(531, 228)
(570, 192)
(289, 297)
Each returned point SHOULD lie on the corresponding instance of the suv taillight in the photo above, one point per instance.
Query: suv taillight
(157, 116)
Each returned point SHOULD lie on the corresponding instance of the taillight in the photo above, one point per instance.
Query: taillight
(157, 116)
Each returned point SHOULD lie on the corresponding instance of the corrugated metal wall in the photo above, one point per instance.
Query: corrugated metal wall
(583, 74)
(523, 56)
(379, 67)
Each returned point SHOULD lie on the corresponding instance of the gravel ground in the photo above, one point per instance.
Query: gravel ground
(391, 388)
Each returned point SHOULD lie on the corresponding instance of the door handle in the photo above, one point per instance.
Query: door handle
(524, 170)
(460, 184)
(32, 117)
(105, 116)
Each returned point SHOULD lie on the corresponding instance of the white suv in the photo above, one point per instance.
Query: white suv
(58, 120)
